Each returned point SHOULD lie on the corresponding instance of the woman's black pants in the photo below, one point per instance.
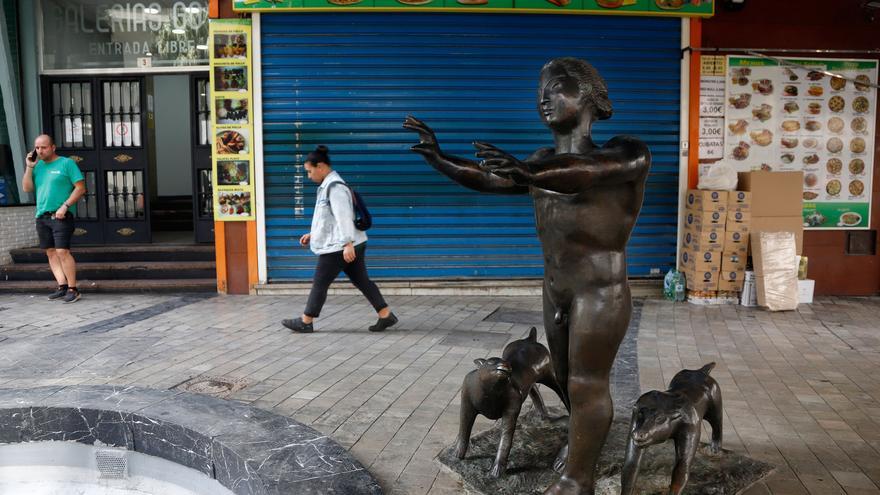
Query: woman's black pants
(329, 266)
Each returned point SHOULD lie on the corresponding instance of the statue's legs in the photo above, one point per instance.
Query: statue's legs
(597, 324)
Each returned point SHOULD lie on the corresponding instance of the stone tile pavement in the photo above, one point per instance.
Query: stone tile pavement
(801, 389)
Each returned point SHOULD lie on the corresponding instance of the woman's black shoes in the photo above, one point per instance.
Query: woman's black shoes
(384, 323)
(297, 325)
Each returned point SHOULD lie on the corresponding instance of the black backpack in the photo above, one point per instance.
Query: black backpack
(362, 218)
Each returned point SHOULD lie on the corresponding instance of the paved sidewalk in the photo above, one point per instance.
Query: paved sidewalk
(801, 389)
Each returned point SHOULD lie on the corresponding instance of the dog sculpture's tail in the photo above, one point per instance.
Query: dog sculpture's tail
(533, 335)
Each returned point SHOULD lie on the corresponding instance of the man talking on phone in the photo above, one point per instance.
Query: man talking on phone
(59, 184)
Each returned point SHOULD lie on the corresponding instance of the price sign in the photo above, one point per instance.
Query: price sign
(712, 65)
(711, 138)
(712, 96)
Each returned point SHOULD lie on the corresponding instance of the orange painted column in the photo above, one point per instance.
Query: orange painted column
(220, 255)
(235, 243)
(694, 105)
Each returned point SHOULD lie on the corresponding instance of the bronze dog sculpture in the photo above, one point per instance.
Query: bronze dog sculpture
(498, 388)
(677, 413)
(490, 391)
(531, 365)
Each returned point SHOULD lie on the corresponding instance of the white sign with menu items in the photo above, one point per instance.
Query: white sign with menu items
(798, 118)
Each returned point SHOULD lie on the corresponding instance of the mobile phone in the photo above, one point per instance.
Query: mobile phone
(33, 155)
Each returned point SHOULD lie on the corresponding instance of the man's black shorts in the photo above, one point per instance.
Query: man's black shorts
(54, 233)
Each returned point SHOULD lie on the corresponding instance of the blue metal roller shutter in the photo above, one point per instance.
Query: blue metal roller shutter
(348, 81)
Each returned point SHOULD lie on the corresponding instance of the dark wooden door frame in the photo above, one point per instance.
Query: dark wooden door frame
(125, 162)
(203, 213)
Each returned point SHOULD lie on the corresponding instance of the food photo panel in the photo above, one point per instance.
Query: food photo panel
(231, 78)
(230, 46)
(231, 110)
(234, 204)
(232, 142)
(233, 172)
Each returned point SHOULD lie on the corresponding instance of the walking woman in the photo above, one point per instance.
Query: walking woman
(338, 244)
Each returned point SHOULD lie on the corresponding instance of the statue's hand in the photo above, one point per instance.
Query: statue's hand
(502, 163)
(427, 140)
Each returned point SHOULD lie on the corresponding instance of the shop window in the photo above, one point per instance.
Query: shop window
(8, 174)
(72, 115)
(125, 194)
(87, 206)
(122, 114)
(206, 196)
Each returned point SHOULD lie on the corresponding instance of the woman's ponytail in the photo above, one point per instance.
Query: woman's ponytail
(320, 155)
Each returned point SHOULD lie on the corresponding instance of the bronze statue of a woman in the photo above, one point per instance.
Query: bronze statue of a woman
(587, 199)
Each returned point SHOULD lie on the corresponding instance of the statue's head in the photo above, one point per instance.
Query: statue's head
(569, 89)
(655, 416)
(493, 368)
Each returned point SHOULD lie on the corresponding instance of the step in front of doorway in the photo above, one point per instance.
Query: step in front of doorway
(510, 287)
(41, 287)
(134, 252)
(124, 270)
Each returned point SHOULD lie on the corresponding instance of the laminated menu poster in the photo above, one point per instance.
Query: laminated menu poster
(796, 117)
(231, 118)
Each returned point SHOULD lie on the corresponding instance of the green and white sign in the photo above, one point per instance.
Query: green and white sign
(677, 8)
(797, 117)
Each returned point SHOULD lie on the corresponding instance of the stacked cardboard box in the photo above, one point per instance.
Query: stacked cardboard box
(777, 202)
(703, 239)
(715, 239)
(736, 241)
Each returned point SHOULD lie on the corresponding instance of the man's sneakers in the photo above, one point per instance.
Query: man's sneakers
(72, 296)
(60, 292)
(66, 294)
(383, 323)
(298, 325)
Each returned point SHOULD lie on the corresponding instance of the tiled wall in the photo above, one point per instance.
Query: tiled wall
(16, 230)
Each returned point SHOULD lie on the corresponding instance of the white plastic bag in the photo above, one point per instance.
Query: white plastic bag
(720, 177)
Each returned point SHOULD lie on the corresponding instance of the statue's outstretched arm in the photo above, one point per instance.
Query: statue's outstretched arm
(466, 172)
(621, 160)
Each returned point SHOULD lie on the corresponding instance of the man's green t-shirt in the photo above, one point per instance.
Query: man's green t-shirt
(54, 182)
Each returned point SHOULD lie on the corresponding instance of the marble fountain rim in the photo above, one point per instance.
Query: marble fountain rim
(246, 449)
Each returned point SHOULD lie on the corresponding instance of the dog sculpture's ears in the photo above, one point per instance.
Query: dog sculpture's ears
(533, 334)
(479, 361)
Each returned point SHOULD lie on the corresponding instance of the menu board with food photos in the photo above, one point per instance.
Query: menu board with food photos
(798, 117)
(232, 119)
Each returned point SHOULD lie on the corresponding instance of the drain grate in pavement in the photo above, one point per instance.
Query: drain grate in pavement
(460, 338)
(216, 386)
(510, 315)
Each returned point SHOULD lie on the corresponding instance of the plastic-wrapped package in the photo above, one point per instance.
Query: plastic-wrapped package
(776, 270)
(720, 176)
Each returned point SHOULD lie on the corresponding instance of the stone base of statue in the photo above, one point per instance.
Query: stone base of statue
(536, 442)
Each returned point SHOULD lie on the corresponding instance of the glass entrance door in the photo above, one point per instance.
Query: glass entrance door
(99, 123)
